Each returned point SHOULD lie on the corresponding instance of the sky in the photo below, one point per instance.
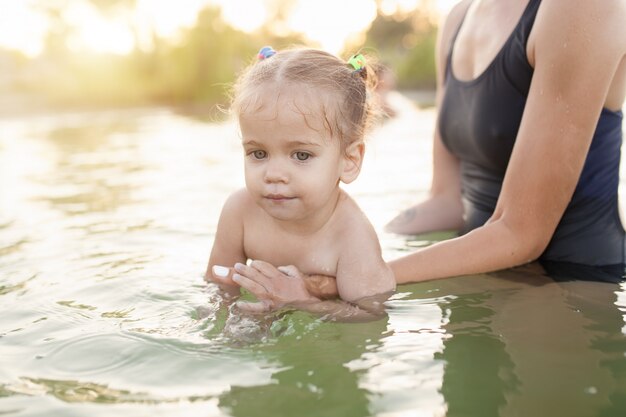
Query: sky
(22, 27)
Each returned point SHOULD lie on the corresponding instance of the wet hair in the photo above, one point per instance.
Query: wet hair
(347, 110)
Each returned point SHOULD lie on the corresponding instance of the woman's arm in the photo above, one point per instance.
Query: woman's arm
(442, 210)
(576, 50)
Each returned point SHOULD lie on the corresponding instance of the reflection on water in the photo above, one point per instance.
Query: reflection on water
(106, 222)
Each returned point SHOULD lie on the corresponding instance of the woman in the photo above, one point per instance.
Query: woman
(526, 151)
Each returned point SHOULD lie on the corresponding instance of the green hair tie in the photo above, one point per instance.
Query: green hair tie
(357, 62)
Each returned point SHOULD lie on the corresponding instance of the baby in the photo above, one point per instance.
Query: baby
(303, 115)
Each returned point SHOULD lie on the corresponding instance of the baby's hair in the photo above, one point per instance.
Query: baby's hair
(349, 117)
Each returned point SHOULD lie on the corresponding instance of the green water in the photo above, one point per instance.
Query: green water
(106, 222)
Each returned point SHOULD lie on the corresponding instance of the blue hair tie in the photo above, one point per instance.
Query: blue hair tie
(266, 52)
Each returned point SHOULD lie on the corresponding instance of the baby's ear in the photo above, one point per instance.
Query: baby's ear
(352, 161)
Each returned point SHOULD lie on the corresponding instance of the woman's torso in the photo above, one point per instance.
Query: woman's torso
(478, 122)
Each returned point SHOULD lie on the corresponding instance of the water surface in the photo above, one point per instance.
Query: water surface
(106, 223)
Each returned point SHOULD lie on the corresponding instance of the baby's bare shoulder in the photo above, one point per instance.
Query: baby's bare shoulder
(352, 222)
(238, 198)
(236, 208)
(238, 203)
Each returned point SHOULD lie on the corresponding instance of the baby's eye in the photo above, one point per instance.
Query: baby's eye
(302, 156)
(259, 154)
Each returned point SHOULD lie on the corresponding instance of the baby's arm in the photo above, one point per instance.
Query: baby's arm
(228, 245)
(285, 287)
(364, 281)
(361, 271)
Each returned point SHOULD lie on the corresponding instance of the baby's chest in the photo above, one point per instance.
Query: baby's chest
(310, 256)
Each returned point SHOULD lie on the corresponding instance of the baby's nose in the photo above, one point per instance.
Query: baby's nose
(276, 172)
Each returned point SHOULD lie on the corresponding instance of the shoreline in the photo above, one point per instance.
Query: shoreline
(19, 105)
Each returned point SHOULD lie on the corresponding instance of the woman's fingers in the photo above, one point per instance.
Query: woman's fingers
(263, 273)
(255, 308)
(252, 273)
(266, 269)
(290, 270)
(279, 287)
(251, 285)
(221, 275)
(220, 271)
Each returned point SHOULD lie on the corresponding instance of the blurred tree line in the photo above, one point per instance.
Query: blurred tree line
(199, 67)
(405, 42)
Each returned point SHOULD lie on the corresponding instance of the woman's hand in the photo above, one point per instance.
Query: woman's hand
(273, 287)
(438, 212)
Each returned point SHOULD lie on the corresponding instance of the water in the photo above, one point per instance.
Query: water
(106, 223)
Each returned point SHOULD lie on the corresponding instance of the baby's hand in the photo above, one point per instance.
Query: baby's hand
(321, 286)
(223, 277)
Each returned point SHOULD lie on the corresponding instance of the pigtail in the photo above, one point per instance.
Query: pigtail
(367, 112)
(364, 69)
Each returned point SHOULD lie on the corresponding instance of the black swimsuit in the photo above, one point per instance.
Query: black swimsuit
(478, 122)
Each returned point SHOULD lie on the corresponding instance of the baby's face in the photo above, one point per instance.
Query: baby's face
(292, 165)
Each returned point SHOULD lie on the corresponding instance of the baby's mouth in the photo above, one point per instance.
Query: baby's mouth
(277, 197)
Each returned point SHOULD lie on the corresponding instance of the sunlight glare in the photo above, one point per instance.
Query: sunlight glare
(21, 28)
(244, 15)
(97, 33)
(165, 18)
(441, 7)
(330, 22)
(389, 7)
(444, 6)
(327, 22)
